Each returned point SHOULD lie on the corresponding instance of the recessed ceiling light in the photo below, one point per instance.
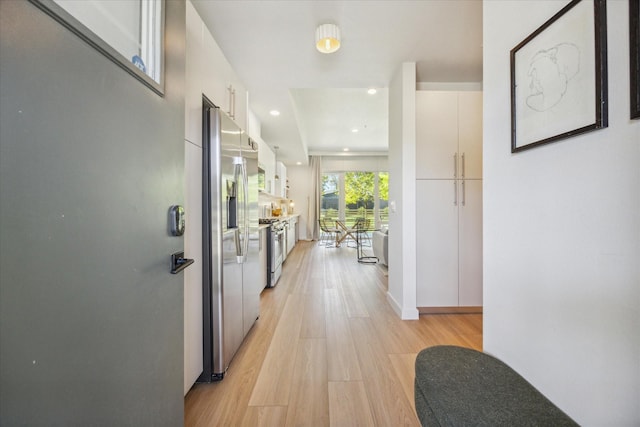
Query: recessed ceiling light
(372, 91)
(345, 149)
(274, 112)
(354, 130)
(298, 163)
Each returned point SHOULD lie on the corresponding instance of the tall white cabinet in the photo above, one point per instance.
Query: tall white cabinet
(449, 198)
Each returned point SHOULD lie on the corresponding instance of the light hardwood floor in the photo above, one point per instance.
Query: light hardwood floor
(327, 350)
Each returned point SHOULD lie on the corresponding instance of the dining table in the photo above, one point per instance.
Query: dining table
(344, 232)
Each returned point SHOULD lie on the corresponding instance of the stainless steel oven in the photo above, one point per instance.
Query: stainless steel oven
(275, 250)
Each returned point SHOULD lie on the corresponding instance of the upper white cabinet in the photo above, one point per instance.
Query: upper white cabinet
(194, 81)
(210, 74)
(266, 161)
(470, 134)
(449, 135)
(281, 183)
(225, 89)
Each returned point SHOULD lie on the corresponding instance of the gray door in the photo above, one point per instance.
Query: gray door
(90, 162)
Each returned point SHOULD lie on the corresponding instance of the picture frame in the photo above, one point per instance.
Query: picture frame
(559, 77)
(634, 44)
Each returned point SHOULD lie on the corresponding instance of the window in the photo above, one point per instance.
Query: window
(330, 205)
(350, 195)
(129, 32)
(359, 195)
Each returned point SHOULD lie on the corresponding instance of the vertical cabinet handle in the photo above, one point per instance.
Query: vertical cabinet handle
(462, 165)
(464, 194)
(455, 165)
(233, 108)
(232, 102)
(455, 193)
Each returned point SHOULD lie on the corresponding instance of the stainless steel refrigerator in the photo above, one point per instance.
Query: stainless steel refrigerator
(231, 271)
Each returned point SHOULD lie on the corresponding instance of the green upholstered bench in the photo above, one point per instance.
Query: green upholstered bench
(457, 386)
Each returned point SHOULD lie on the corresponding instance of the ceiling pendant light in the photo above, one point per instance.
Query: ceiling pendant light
(328, 38)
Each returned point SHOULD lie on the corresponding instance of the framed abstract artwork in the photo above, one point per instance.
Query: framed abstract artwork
(559, 77)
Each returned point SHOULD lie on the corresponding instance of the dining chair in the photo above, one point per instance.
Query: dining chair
(328, 235)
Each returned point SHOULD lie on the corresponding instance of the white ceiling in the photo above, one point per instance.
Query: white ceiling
(322, 97)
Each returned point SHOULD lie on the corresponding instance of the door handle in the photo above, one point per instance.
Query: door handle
(179, 262)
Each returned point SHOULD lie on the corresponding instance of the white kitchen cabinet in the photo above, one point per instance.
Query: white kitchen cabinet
(221, 84)
(236, 101)
(195, 79)
(449, 198)
(210, 74)
(225, 89)
(470, 243)
(291, 233)
(281, 183)
(437, 243)
(448, 135)
(470, 134)
(449, 243)
(266, 160)
(436, 134)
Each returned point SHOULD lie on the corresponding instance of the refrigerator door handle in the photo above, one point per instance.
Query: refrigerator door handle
(237, 240)
(245, 181)
(238, 174)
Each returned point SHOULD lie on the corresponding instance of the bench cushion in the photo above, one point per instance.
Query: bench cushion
(457, 386)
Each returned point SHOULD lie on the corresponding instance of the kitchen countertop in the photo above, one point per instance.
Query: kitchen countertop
(284, 217)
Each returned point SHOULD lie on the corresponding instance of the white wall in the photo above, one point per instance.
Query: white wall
(562, 236)
(402, 189)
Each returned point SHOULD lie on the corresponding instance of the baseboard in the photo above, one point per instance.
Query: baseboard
(384, 269)
(450, 310)
(404, 314)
